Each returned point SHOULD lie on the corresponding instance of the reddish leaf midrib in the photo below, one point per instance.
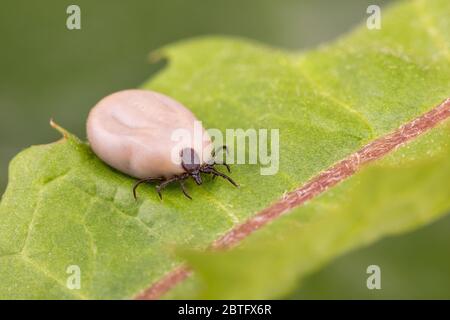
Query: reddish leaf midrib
(317, 185)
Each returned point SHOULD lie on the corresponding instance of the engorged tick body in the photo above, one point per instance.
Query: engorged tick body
(131, 130)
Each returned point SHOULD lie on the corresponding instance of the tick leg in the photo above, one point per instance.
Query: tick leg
(213, 153)
(226, 165)
(184, 189)
(163, 184)
(217, 173)
(137, 183)
(224, 147)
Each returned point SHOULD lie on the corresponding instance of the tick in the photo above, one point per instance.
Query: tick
(132, 131)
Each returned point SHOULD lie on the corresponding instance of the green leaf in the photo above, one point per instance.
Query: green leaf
(64, 207)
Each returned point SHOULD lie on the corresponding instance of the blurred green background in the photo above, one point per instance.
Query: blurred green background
(48, 71)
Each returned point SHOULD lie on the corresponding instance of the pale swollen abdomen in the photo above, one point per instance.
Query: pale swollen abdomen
(133, 132)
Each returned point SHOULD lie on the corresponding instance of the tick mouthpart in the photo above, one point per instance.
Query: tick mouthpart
(197, 179)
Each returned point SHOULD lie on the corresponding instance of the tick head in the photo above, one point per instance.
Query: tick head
(190, 162)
